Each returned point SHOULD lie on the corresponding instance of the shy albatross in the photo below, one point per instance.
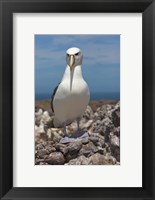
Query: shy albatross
(71, 97)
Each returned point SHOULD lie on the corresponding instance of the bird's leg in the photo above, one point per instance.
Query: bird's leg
(79, 133)
(78, 124)
(66, 139)
(64, 127)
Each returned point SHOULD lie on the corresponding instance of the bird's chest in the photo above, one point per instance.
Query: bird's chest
(74, 90)
(74, 97)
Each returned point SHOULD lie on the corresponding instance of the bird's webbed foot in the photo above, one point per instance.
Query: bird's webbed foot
(74, 136)
(79, 134)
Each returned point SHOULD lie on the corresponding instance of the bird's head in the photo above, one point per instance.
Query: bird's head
(74, 57)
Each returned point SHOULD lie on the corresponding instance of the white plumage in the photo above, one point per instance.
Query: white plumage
(72, 95)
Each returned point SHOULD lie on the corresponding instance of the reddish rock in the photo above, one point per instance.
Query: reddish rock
(55, 158)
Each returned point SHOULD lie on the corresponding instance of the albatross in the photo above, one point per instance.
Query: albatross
(71, 97)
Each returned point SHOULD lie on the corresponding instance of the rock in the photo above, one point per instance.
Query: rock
(55, 158)
(38, 115)
(111, 160)
(50, 149)
(40, 137)
(99, 150)
(87, 125)
(55, 137)
(97, 127)
(101, 145)
(85, 140)
(49, 134)
(88, 114)
(98, 159)
(101, 142)
(62, 148)
(38, 160)
(42, 153)
(97, 139)
(114, 140)
(43, 163)
(117, 131)
(81, 160)
(39, 146)
(115, 151)
(104, 151)
(88, 149)
(74, 147)
(72, 127)
(116, 115)
(38, 112)
(73, 150)
(94, 139)
(40, 128)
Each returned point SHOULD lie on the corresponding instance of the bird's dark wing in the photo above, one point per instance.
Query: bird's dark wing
(52, 97)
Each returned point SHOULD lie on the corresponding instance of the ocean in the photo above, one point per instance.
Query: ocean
(93, 96)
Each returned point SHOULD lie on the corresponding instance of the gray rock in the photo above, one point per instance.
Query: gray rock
(40, 137)
(112, 160)
(99, 150)
(73, 150)
(88, 114)
(39, 146)
(88, 149)
(50, 149)
(87, 125)
(85, 140)
(43, 163)
(42, 153)
(116, 115)
(56, 137)
(81, 160)
(62, 148)
(94, 139)
(74, 147)
(97, 127)
(114, 140)
(115, 151)
(101, 142)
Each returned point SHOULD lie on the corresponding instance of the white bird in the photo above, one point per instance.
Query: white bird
(71, 97)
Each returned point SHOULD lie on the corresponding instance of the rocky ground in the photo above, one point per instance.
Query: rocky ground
(100, 146)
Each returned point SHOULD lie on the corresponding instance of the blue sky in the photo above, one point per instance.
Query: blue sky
(101, 61)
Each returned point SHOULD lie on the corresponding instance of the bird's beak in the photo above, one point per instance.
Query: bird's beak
(71, 62)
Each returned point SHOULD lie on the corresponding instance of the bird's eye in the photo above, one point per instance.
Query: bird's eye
(67, 54)
(77, 54)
